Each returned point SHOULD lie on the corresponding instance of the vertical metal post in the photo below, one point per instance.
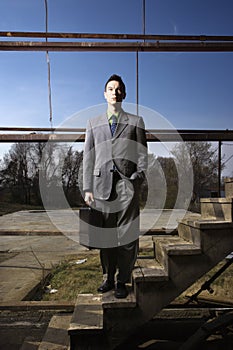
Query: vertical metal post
(137, 87)
(144, 17)
(219, 167)
(137, 68)
(48, 67)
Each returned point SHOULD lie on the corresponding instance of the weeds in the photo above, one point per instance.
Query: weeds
(71, 278)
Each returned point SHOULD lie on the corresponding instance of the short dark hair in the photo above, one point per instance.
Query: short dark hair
(119, 79)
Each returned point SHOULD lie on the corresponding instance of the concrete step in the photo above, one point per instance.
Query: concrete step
(189, 232)
(30, 344)
(229, 187)
(56, 336)
(149, 270)
(200, 245)
(150, 275)
(173, 246)
(216, 208)
(109, 301)
(86, 326)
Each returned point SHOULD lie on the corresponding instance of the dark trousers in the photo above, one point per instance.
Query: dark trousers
(122, 258)
(121, 227)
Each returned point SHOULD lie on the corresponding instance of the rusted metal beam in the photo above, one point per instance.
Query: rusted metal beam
(78, 135)
(41, 129)
(157, 46)
(33, 137)
(81, 130)
(115, 36)
(188, 137)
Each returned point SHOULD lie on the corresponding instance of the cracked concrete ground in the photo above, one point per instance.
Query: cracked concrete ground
(32, 242)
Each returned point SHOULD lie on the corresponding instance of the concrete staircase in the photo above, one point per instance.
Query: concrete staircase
(202, 242)
(55, 337)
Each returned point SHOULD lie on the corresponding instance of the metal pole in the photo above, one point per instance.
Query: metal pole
(219, 167)
(137, 87)
(137, 69)
(144, 17)
(48, 68)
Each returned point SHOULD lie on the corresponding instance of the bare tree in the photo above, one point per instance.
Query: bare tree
(71, 173)
(169, 169)
(16, 173)
(205, 165)
(26, 164)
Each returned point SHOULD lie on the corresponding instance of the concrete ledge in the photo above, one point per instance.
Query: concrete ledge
(213, 224)
(183, 249)
(150, 275)
(109, 301)
(216, 200)
(37, 305)
(208, 224)
(29, 233)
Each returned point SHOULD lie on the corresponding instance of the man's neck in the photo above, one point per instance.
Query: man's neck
(114, 109)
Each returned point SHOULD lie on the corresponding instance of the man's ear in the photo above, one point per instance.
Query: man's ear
(105, 95)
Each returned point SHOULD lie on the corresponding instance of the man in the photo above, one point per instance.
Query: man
(115, 161)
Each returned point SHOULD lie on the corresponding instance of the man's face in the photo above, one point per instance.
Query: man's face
(113, 93)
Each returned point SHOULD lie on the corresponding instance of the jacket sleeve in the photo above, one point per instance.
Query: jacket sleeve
(88, 159)
(142, 159)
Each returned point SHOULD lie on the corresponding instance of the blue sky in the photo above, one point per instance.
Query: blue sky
(191, 90)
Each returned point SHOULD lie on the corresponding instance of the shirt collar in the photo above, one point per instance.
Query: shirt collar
(109, 114)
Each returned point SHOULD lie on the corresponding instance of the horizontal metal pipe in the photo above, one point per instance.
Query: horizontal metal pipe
(54, 129)
(151, 137)
(117, 46)
(158, 131)
(109, 36)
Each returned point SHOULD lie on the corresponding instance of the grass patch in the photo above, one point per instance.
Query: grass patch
(71, 279)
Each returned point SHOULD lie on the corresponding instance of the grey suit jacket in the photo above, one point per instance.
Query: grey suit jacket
(126, 150)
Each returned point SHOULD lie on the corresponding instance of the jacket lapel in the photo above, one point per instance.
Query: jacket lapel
(104, 124)
(122, 123)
